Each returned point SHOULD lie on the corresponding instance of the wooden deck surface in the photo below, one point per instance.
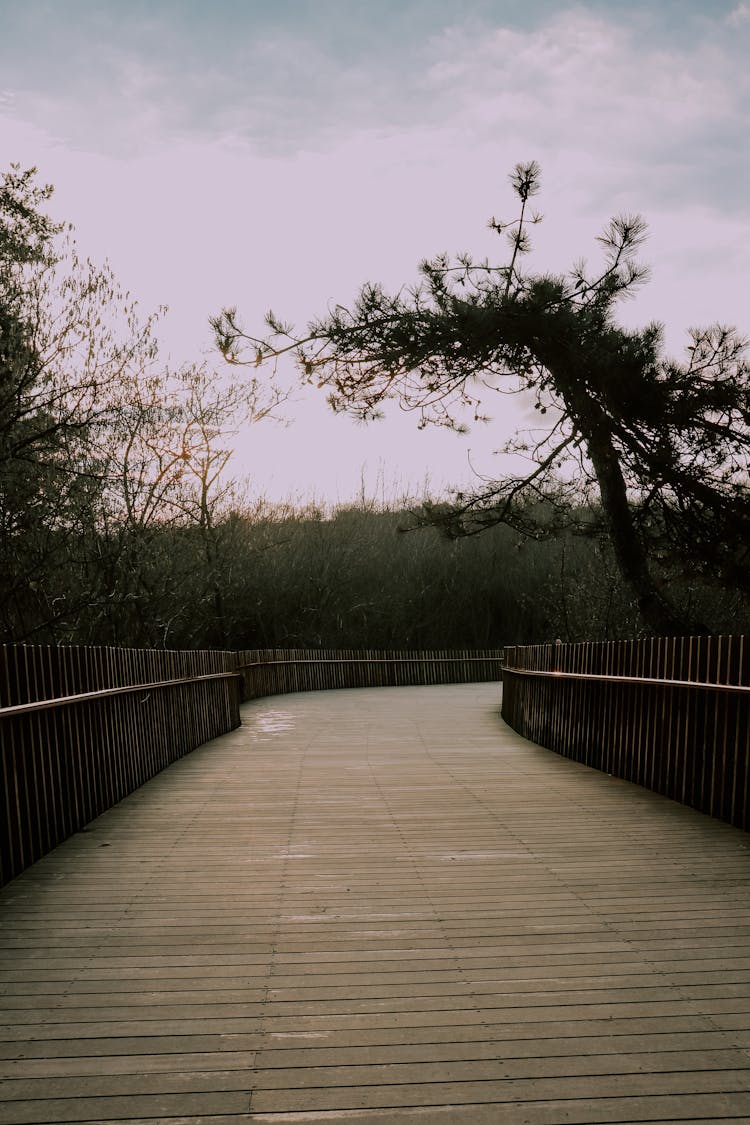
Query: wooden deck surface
(381, 906)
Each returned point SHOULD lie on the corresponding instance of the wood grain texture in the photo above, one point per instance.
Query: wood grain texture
(383, 906)
(669, 713)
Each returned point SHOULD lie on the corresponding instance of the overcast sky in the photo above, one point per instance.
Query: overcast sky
(277, 154)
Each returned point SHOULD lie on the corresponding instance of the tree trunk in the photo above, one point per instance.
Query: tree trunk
(630, 554)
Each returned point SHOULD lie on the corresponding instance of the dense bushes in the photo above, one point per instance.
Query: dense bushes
(351, 578)
(120, 522)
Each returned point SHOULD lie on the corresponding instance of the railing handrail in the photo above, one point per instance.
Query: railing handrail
(705, 685)
(375, 660)
(103, 693)
(667, 713)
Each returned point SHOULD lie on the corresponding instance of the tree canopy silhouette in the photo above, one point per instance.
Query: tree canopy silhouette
(658, 448)
(68, 338)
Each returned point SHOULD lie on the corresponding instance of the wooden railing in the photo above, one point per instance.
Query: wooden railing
(275, 671)
(80, 728)
(671, 714)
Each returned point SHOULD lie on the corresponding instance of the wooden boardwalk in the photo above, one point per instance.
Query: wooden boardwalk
(381, 906)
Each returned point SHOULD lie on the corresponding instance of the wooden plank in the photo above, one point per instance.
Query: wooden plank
(380, 905)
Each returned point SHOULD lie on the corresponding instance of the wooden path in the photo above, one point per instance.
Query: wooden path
(381, 906)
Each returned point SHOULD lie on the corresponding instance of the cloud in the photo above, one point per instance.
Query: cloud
(594, 95)
(133, 79)
(287, 166)
(123, 79)
(620, 122)
(739, 15)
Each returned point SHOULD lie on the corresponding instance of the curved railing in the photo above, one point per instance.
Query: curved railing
(274, 671)
(671, 714)
(80, 728)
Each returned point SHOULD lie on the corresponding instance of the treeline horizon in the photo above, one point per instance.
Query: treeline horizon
(121, 522)
(361, 575)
